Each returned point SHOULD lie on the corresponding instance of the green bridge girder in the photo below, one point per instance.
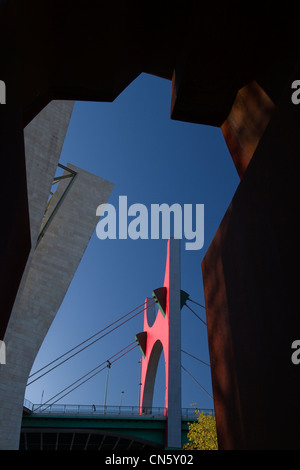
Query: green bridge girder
(61, 432)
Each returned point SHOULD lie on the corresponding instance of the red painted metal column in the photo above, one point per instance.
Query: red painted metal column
(163, 333)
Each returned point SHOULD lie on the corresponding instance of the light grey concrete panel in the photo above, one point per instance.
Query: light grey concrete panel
(52, 262)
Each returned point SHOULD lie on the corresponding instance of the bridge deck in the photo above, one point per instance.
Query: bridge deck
(90, 427)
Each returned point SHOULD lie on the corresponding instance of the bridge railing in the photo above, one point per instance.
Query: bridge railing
(192, 413)
(96, 410)
(101, 410)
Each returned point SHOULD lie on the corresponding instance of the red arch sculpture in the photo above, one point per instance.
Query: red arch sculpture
(162, 332)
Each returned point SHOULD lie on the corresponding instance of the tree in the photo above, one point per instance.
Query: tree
(202, 434)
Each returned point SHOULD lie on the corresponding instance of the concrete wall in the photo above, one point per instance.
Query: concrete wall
(52, 263)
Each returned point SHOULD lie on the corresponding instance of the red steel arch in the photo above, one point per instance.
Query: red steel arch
(162, 332)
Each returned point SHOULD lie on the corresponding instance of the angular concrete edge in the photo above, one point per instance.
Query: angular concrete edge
(53, 261)
(52, 268)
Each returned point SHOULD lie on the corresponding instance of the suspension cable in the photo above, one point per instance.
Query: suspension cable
(90, 344)
(197, 303)
(196, 381)
(197, 359)
(80, 344)
(195, 313)
(88, 373)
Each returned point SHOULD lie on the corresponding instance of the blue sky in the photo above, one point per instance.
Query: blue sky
(133, 143)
